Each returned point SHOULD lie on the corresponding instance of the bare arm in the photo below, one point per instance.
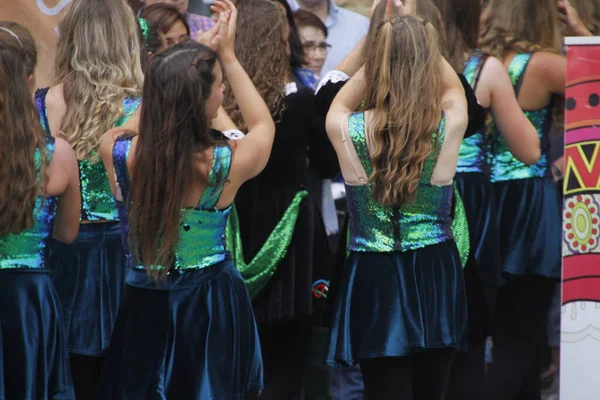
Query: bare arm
(64, 164)
(253, 151)
(518, 132)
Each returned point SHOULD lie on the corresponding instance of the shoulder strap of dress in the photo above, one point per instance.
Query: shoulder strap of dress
(120, 154)
(358, 136)
(474, 66)
(517, 68)
(40, 103)
(130, 104)
(219, 172)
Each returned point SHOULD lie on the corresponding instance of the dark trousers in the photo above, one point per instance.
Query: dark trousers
(422, 376)
(519, 323)
(85, 371)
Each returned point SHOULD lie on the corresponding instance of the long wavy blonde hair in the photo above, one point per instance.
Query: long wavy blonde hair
(20, 131)
(404, 80)
(520, 26)
(98, 63)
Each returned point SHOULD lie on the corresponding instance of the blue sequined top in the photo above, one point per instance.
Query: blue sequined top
(474, 149)
(96, 198)
(377, 228)
(504, 166)
(202, 233)
(28, 249)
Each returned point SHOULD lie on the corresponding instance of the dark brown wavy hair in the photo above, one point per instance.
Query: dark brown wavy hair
(20, 131)
(262, 48)
(404, 79)
(173, 134)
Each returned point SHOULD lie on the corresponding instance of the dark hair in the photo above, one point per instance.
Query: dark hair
(163, 17)
(304, 18)
(297, 56)
(173, 133)
(20, 131)
(461, 24)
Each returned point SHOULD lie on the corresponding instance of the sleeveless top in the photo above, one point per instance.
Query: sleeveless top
(474, 149)
(96, 197)
(29, 248)
(504, 166)
(374, 227)
(202, 232)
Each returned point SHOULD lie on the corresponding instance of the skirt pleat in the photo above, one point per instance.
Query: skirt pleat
(34, 361)
(193, 337)
(396, 304)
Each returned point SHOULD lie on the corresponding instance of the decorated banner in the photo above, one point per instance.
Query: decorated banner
(580, 326)
(41, 17)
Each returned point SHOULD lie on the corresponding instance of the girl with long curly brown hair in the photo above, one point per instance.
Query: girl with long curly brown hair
(185, 328)
(40, 200)
(275, 205)
(495, 92)
(401, 308)
(525, 36)
(98, 83)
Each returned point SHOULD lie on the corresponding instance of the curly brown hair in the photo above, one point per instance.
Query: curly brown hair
(263, 50)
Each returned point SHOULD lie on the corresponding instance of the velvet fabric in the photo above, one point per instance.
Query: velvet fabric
(89, 276)
(190, 337)
(34, 361)
(399, 303)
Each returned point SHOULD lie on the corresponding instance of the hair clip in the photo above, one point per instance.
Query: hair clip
(12, 34)
(144, 27)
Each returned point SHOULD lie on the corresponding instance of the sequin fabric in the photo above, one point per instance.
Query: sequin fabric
(473, 150)
(263, 266)
(96, 198)
(202, 231)
(28, 249)
(377, 228)
(504, 166)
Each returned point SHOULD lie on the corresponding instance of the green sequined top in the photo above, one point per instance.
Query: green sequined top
(377, 228)
(474, 149)
(96, 197)
(504, 166)
(202, 232)
(29, 248)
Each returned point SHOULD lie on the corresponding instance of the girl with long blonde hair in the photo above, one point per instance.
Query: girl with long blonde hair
(525, 36)
(40, 200)
(98, 84)
(401, 307)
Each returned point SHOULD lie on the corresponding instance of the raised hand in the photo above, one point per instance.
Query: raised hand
(227, 28)
(569, 16)
(211, 38)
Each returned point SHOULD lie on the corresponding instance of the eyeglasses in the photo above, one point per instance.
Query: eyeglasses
(311, 47)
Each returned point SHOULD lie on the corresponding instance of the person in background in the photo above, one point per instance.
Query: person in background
(313, 35)
(346, 28)
(40, 200)
(198, 24)
(170, 24)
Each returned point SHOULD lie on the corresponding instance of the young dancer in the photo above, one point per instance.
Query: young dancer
(185, 328)
(494, 91)
(276, 200)
(528, 201)
(401, 307)
(40, 199)
(98, 83)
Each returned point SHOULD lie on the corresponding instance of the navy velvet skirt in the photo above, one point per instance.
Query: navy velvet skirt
(193, 337)
(34, 361)
(477, 193)
(89, 276)
(530, 226)
(397, 304)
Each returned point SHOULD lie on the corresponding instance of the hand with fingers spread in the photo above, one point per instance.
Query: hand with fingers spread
(227, 28)
(569, 15)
